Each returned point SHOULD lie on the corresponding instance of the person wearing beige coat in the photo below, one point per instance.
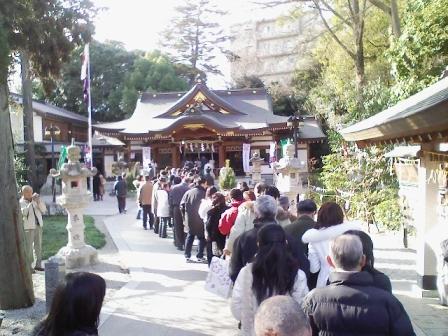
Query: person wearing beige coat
(33, 208)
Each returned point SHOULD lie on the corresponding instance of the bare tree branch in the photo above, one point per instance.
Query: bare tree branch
(349, 4)
(381, 5)
(391, 11)
(273, 3)
(332, 33)
(338, 15)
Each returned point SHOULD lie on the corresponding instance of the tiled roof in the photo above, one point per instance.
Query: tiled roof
(252, 110)
(52, 110)
(423, 113)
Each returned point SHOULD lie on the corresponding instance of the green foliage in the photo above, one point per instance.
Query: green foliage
(395, 68)
(110, 63)
(48, 31)
(55, 234)
(118, 77)
(421, 53)
(362, 179)
(388, 211)
(227, 179)
(20, 169)
(130, 181)
(154, 72)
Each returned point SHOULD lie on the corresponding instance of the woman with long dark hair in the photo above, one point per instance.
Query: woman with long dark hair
(211, 226)
(330, 224)
(76, 307)
(274, 271)
(380, 279)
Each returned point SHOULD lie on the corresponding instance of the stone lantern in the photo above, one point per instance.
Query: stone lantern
(256, 161)
(75, 198)
(119, 167)
(288, 179)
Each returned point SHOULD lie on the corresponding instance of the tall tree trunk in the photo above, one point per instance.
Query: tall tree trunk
(358, 20)
(28, 128)
(392, 11)
(16, 286)
(395, 17)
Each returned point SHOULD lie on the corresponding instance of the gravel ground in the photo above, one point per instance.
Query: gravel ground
(21, 322)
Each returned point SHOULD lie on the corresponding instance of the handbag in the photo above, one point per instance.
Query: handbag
(218, 280)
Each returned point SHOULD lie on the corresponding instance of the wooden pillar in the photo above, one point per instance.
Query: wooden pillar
(175, 157)
(427, 221)
(127, 151)
(222, 154)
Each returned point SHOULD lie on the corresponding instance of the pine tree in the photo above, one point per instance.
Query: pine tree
(195, 38)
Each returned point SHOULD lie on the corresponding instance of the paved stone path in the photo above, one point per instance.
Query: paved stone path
(166, 296)
(428, 316)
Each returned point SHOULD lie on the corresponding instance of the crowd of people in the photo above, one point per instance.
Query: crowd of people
(313, 263)
(309, 273)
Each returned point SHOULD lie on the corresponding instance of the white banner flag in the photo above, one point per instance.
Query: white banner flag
(146, 154)
(246, 157)
(272, 152)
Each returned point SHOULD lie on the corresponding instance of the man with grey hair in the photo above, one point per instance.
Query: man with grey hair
(245, 245)
(281, 315)
(351, 305)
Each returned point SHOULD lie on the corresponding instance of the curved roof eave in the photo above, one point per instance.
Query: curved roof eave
(424, 112)
(199, 87)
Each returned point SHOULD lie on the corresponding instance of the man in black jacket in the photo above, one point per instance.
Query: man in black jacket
(306, 210)
(351, 305)
(192, 221)
(175, 197)
(245, 246)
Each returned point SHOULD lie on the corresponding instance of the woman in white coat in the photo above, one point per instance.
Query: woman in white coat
(329, 225)
(274, 271)
(163, 208)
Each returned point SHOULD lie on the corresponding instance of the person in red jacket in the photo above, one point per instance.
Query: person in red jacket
(229, 216)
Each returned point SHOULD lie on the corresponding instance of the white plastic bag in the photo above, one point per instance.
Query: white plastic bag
(218, 280)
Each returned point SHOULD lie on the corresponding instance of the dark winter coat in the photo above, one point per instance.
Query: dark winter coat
(121, 188)
(210, 180)
(40, 331)
(177, 192)
(245, 248)
(190, 205)
(299, 227)
(380, 280)
(211, 226)
(351, 305)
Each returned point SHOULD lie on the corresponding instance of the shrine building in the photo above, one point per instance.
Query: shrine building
(204, 124)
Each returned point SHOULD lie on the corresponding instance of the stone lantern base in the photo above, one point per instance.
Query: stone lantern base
(78, 257)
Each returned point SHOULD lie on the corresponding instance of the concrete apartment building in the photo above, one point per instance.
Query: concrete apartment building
(273, 48)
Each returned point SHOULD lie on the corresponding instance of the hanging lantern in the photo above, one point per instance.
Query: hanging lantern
(202, 147)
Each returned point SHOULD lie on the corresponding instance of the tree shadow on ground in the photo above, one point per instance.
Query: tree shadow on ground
(186, 275)
(121, 324)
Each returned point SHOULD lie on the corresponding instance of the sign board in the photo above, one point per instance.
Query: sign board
(146, 155)
(246, 157)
